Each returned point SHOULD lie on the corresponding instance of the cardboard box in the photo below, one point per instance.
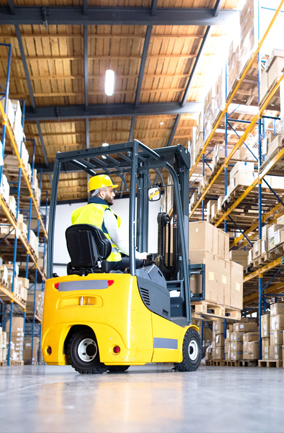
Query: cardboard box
(213, 273)
(249, 337)
(275, 70)
(219, 353)
(264, 84)
(256, 249)
(253, 350)
(203, 236)
(225, 280)
(265, 348)
(265, 325)
(245, 327)
(283, 352)
(237, 355)
(223, 245)
(218, 327)
(277, 322)
(237, 336)
(243, 167)
(236, 279)
(219, 340)
(276, 338)
(240, 257)
(17, 325)
(277, 352)
(243, 179)
(237, 345)
(276, 309)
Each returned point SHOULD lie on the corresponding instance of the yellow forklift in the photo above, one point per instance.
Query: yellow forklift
(99, 320)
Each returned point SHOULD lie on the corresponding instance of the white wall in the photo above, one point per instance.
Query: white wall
(120, 206)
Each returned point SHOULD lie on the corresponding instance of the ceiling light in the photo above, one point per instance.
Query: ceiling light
(104, 157)
(105, 144)
(109, 82)
(161, 123)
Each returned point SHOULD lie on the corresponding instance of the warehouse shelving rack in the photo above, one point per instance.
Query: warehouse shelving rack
(256, 227)
(9, 302)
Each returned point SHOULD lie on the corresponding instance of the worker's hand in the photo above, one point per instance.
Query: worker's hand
(141, 256)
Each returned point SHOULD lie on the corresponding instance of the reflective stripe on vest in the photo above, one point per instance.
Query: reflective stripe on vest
(93, 213)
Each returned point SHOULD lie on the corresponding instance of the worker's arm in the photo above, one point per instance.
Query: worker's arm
(118, 236)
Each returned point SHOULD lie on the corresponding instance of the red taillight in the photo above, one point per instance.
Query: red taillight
(56, 286)
(116, 349)
(49, 350)
(110, 282)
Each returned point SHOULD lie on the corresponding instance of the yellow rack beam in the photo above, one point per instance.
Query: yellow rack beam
(255, 225)
(11, 136)
(264, 269)
(233, 151)
(253, 185)
(20, 235)
(276, 288)
(248, 66)
(11, 296)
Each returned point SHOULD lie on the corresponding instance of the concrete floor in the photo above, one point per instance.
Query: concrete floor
(144, 399)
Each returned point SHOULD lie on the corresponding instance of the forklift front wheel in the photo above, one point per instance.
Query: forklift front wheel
(191, 352)
(83, 353)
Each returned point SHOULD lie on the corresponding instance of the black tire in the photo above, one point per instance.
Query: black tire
(191, 352)
(118, 368)
(83, 353)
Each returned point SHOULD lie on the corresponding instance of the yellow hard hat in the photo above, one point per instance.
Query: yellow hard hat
(100, 181)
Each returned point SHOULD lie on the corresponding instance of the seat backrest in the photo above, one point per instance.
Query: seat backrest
(86, 245)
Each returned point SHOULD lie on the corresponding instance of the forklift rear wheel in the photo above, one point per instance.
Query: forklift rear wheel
(191, 352)
(83, 353)
(118, 368)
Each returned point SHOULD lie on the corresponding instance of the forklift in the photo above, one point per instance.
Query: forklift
(99, 320)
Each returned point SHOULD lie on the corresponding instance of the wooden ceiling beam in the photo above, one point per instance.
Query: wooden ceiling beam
(104, 36)
(99, 58)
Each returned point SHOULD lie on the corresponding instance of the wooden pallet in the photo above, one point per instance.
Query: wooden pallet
(248, 363)
(3, 363)
(16, 363)
(232, 363)
(270, 363)
(275, 253)
(219, 311)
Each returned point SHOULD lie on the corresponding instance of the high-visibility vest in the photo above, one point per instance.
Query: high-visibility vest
(93, 213)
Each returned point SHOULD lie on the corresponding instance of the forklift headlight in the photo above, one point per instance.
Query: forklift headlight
(116, 349)
(49, 350)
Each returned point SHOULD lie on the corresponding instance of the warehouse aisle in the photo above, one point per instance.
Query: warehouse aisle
(152, 399)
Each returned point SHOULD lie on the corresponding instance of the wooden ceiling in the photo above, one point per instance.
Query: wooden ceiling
(55, 63)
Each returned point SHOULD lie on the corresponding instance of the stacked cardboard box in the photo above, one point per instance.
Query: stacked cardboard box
(276, 331)
(34, 241)
(3, 345)
(37, 300)
(223, 278)
(218, 340)
(5, 188)
(22, 226)
(17, 337)
(250, 345)
(240, 257)
(4, 274)
(275, 235)
(28, 352)
(241, 174)
(237, 337)
(272, 73)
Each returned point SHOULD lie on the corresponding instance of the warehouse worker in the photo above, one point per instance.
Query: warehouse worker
(98, 213)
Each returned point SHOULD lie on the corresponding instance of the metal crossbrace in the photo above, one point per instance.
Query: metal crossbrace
(7, 235)
(208, 165)
(276, 195)
(243, 141)
(243, 233)
(272, 279)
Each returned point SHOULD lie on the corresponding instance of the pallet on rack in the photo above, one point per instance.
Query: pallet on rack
(209, 363)
(278, 167)
(205, 309)
(275, 253)
(3, 363)
(248, 363)
(270, 363)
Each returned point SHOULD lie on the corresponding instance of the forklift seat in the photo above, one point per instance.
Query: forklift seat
(88, 249)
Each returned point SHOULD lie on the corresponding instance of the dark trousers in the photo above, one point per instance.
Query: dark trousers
(123, 264)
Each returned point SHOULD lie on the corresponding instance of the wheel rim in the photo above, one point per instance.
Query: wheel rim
(193, 350)
(87, 350)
